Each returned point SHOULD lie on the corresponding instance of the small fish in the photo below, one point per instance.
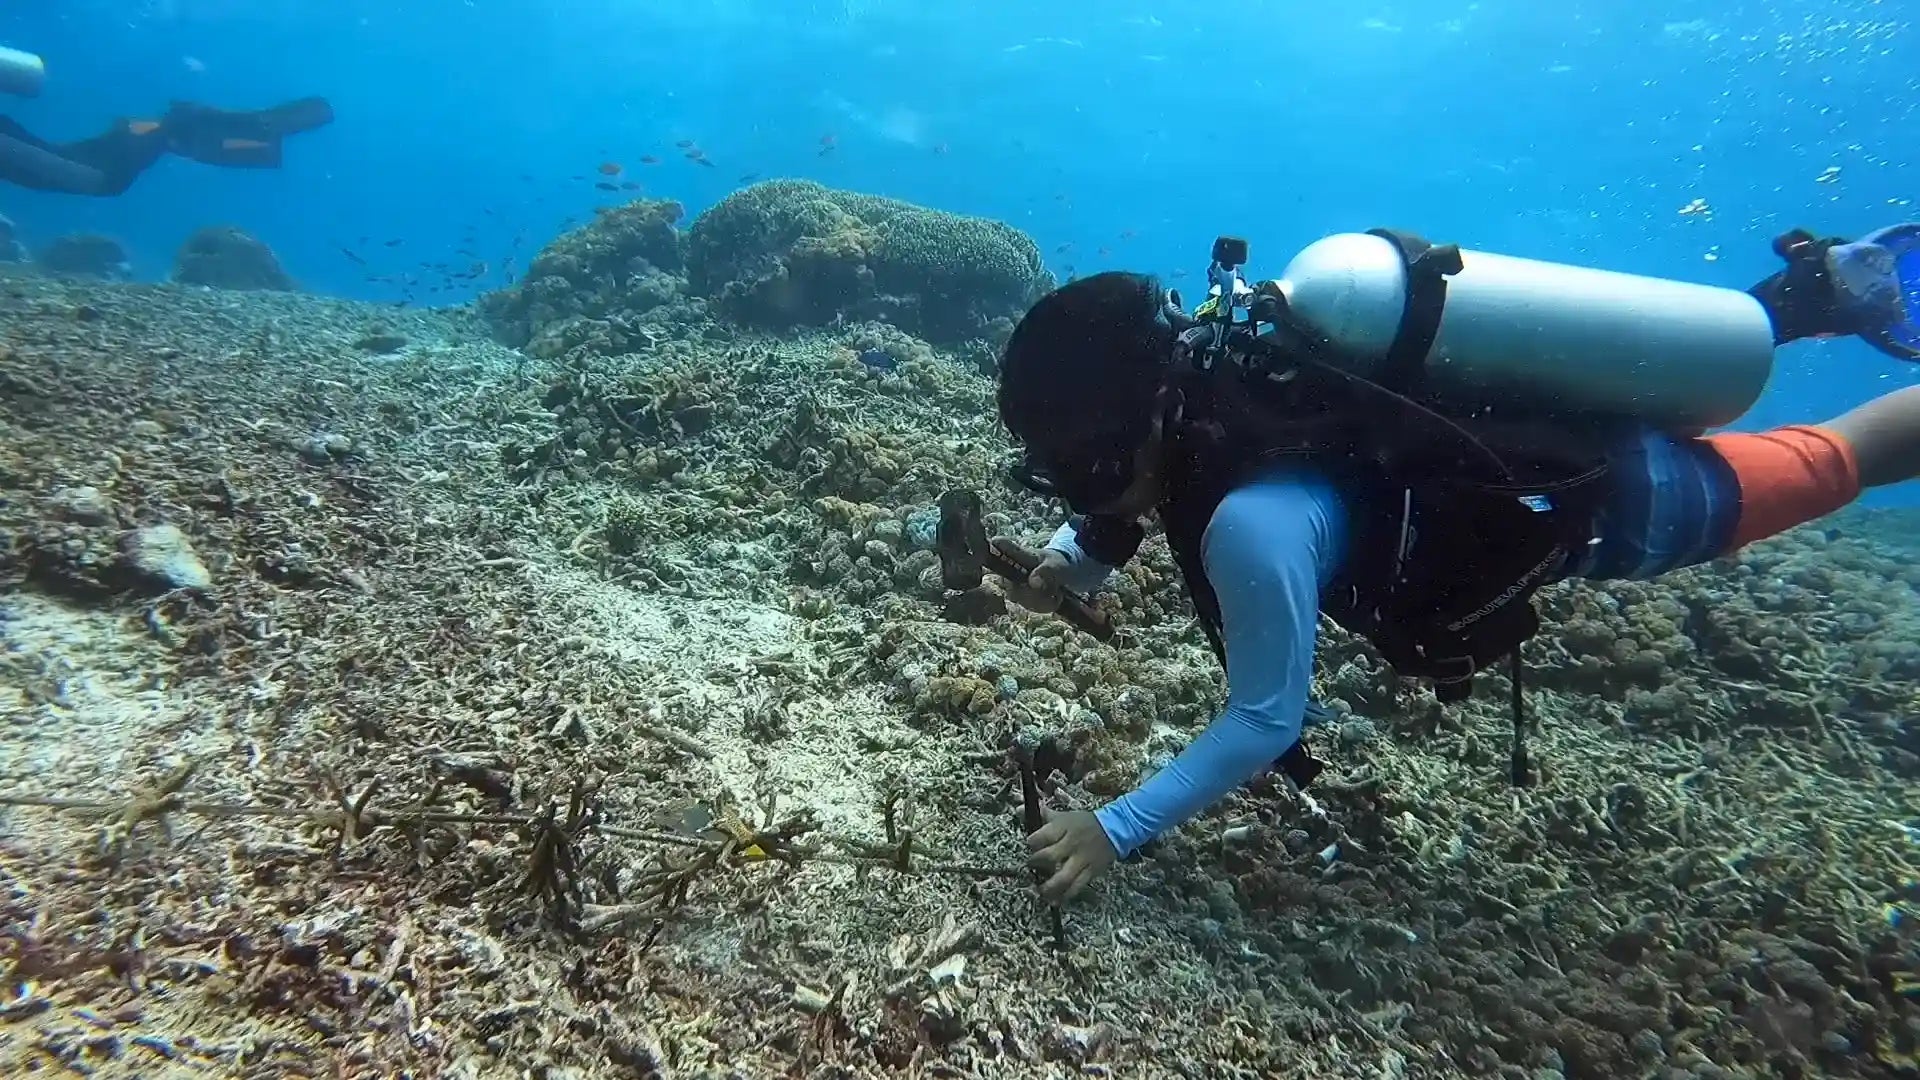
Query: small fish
(1103, 252)
(604, 186)
(879, 360)
(748, 178)
(629, 185)
(684, 143)
(1128, 234)
(351, 254)
(649, 159)
(828, 139)
(610, 168)
(1063, 248)
(825, 150)
(708, 162)
(1178, 274)
(939, 148)
(395, 242)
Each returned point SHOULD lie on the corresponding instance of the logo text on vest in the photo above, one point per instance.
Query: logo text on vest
(1507, 595)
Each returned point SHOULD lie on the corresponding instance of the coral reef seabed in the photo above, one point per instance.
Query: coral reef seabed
(384, 700)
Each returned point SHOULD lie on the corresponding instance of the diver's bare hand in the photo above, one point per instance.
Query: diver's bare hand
(1071, 850)
(1042, 591)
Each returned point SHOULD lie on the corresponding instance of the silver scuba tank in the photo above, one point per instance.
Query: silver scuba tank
(1675, 355)
(20, 72)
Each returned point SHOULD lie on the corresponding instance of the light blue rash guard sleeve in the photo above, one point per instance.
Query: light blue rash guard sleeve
(1085, 574)
(1270, 548)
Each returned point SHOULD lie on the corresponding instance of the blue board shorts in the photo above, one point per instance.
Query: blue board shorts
(1678, 501)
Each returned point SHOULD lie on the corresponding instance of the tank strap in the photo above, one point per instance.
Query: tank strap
(1428, 268)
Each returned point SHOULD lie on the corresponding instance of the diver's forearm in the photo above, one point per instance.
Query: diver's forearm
(1233, 749)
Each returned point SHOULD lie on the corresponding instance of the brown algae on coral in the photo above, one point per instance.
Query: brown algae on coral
(597, 710)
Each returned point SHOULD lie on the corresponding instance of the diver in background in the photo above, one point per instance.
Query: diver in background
(1289, 488)
(108, 163)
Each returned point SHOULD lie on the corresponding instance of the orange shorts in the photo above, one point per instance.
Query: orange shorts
(1788, 476)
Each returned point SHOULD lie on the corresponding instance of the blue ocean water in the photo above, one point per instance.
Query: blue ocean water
(1123, 134)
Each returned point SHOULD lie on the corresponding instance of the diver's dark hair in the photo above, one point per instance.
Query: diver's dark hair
(1086, 361)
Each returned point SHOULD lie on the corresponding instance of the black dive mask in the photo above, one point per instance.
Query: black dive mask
(1083, 480)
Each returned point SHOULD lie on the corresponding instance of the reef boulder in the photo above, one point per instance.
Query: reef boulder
(162, 557)
(597, 286)
(792, 253)
(224, 257)
(86, 255)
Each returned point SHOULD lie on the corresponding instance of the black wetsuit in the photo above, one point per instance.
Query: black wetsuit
(108, 163)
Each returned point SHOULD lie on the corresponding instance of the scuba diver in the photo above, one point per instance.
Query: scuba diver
(1412, 440)
(108, 163)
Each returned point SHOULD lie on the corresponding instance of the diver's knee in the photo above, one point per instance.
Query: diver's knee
(1885, 436)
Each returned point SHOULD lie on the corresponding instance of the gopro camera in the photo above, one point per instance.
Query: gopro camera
(1230, 252)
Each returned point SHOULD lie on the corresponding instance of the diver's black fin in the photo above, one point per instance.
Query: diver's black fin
(240, 139)
(297, 116)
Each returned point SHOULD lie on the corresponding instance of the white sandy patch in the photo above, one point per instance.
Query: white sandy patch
(111, 708)
(703, 651)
